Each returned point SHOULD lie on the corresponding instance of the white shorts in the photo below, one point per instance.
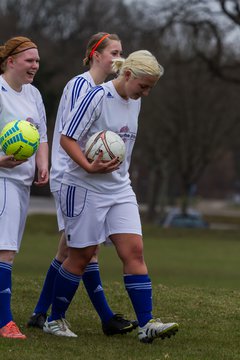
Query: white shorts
(90, 217)
(14, 203)
(60, 220)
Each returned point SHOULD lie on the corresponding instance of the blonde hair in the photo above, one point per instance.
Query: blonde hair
(13, 47)
(98, 42)
(140, 63)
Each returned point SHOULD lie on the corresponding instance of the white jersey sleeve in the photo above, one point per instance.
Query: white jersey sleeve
(73, 90)
(86, 112)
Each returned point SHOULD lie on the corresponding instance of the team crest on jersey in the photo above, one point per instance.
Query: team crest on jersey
(126, 134)
(124, 129)
(123, 133)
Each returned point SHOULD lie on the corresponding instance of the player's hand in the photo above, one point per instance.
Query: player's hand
(103, 167)
(8, 161)
(43, 177)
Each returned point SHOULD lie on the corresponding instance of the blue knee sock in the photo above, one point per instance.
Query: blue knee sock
(64, 289)
(45, 298)
(5, 293)
(93, 285)
(139, 289)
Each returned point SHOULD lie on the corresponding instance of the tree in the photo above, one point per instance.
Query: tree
(183, 125)
(191, 127)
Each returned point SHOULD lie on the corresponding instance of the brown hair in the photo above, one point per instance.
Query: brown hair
(13, 47)
(100, 47)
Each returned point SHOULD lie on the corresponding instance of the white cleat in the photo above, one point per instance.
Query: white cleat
(58, 327)
(155, 328)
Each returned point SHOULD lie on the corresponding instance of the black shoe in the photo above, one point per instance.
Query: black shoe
(118, 325)
(37, 320)
(134, 323)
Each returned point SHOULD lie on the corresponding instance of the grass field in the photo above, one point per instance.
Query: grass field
(195, 277)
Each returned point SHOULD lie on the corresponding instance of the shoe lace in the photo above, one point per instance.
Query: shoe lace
(41, 315)
(157, 320)
(120, 318)
(63, 324)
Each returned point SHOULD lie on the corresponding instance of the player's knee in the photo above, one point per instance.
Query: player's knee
(61, 257)
(62, 254)
(74, 267)
(95, 255)
(7, 256)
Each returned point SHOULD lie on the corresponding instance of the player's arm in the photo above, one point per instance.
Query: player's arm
(84, 113)
(73, 149)
(42, 152)
(42, 164)
(8, 161)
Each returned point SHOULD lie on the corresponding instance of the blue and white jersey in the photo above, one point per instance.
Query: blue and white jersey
(24, 105)
(76, 87)
(102, 108)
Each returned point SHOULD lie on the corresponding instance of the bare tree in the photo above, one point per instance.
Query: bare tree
(193, 119)
(183, 123)
(215, 33)
(231, 8)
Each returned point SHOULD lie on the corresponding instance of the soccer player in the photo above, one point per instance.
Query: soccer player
(102, 48)
(19, 100)
(100, 193)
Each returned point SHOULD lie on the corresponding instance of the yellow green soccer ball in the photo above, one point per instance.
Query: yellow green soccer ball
(19, 138)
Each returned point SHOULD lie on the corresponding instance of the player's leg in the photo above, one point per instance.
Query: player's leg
(65, 287)
(79, 234)
(39, 315)
(14, 200)
(112, 323)
(127, 238)
(6, 261)
(139, 288)
(93, 284)
(8, 328)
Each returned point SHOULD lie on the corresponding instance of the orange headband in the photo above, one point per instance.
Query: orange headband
(97, 44)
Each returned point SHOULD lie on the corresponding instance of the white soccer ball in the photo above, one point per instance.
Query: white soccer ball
(108, 142)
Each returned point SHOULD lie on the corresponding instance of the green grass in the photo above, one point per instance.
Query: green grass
(195, 278)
